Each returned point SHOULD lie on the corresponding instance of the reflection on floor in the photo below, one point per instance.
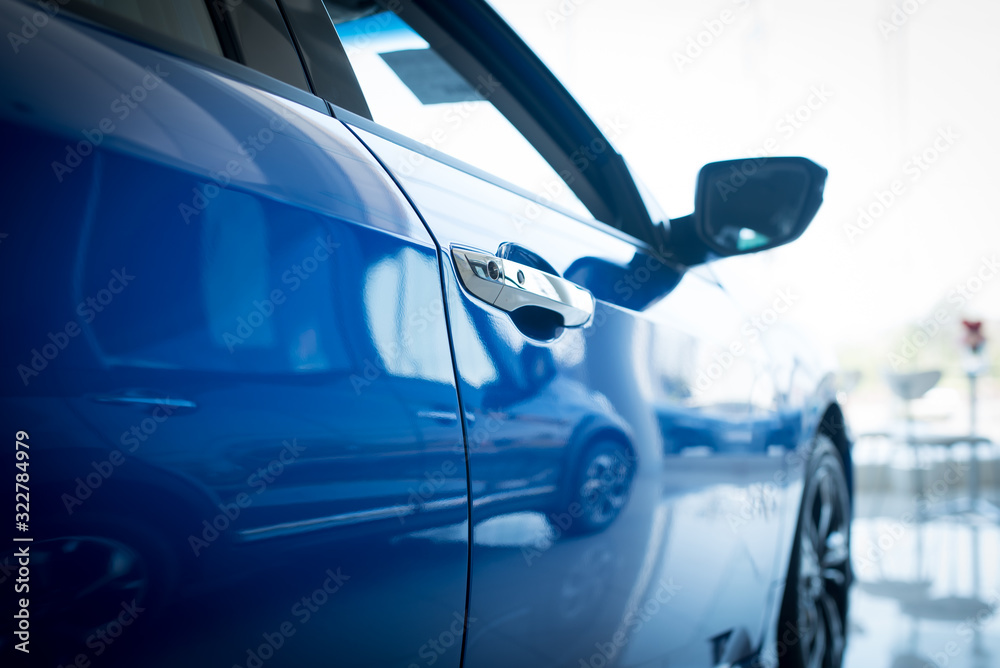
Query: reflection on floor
(927, 587)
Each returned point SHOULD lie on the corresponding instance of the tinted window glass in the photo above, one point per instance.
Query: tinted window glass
(187, 21)
(412, 90)
(262, 40)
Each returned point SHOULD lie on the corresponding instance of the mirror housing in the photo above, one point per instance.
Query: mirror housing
(750, 205)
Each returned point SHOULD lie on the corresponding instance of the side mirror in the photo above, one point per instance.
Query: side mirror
(750, 205)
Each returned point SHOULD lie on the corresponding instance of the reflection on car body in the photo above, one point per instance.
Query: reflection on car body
(300, 433)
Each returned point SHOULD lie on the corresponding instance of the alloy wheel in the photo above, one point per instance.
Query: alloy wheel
(821, 566)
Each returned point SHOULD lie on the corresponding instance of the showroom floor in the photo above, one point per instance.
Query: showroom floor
(927, 570)
(927, 591)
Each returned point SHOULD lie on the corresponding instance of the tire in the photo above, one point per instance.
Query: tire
(601, 486)
(813, 620)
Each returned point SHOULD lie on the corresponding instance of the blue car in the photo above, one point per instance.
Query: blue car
(337, 334)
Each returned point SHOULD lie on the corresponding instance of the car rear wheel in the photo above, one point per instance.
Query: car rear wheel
(813, 621)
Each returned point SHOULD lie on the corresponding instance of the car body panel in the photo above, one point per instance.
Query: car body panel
(230, 379)
(627, 375)
(237, 324)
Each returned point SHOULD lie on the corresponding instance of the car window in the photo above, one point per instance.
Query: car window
(250, 32)
(187, 21)
(261, 39)
(411, 90)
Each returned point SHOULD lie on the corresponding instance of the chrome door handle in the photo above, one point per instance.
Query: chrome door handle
(510, 285)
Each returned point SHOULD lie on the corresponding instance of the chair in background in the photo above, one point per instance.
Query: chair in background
(912, 386)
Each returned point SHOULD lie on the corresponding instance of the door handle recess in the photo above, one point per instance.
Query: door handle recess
(510, 285)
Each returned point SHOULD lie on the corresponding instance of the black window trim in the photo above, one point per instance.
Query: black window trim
(323, 56)
(218, 13)
(223, 12)
(108, 22)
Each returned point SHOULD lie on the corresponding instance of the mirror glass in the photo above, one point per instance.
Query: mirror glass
(749, 205)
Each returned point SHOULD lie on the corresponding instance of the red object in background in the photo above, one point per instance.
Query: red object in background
(974, 338)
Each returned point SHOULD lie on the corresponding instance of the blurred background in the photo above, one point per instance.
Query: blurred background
(899, 100)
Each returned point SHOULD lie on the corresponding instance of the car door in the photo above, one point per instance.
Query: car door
(609, 421)
(255, 403)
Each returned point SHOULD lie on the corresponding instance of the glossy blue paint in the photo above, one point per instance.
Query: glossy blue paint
(534, 408)
(240, 348)
(244, 258)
